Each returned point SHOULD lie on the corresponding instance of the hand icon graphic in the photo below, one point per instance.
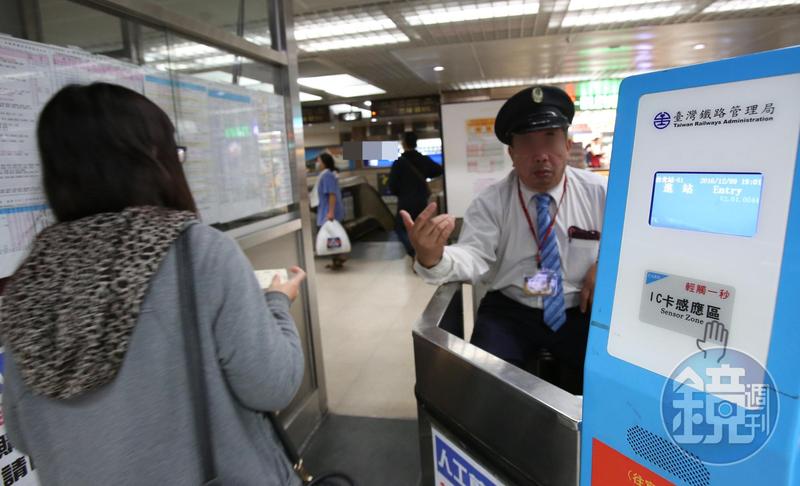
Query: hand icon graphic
(716, 333)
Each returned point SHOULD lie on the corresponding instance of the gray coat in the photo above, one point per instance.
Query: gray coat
(139, 428)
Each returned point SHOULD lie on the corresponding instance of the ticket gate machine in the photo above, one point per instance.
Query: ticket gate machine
(691, 370)
(691, 363)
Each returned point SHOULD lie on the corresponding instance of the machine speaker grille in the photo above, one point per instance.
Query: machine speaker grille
(668, 456)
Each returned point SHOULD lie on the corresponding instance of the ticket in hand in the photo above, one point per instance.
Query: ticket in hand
(265, 277)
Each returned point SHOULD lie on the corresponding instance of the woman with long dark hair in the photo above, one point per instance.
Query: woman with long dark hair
(98, 381)
(330, 199)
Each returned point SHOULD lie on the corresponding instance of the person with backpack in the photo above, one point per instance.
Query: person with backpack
(408, 180)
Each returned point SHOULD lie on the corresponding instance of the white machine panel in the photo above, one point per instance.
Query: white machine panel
(725, 139)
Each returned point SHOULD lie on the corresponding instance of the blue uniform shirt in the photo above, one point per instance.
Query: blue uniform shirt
(328, 184)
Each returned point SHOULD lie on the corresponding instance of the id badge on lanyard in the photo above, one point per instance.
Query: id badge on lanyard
(542, 284)
(545, 281)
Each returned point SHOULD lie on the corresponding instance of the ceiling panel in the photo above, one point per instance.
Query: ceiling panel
(524, 47)
(537, 46)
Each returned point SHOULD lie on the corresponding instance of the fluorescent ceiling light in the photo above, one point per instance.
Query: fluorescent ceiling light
(220, 60)
(359, 40)
(218, 76)
(261, 40)
(266, 87)
(245, 81)
(165, 66)
(510, 82)
(442, 14)
(438, 68)
(734, 5)
(697, 47)
(308, 97)
(342, 85)
(190, 55)
(575, 5)
(226, 78)
(332, 26)
(340, 108)
(619, 15)
(185, 50)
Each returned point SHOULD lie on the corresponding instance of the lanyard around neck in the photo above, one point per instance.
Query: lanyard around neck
(540, 243)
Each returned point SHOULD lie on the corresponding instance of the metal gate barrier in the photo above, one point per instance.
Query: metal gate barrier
(517, 427)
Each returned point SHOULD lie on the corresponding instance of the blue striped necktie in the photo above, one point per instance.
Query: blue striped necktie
(554, 308)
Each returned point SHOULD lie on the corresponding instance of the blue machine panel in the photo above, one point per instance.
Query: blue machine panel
(623, 401)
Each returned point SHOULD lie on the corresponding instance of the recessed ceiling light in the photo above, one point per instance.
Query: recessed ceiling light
(438, 68)
(368, 103)
(697, 47)
(342, 85)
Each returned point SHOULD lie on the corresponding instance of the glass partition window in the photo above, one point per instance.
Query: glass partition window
(225, 14)
(225, 108)
(66, 23)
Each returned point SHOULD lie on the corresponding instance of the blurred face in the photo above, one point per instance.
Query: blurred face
(540, 157)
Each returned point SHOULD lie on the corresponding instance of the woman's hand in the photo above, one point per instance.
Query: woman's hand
(292, 286)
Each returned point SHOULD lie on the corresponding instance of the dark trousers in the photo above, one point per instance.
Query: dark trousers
(517, 334)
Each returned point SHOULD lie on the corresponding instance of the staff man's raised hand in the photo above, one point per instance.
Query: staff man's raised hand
(429, 234)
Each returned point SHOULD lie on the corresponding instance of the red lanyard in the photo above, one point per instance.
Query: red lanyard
(540, 243)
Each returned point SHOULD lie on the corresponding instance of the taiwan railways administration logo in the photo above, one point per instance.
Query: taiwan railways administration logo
(721, 405)
(661, 120)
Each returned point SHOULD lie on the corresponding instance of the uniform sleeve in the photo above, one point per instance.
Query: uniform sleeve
(257, 343)
(476, 250)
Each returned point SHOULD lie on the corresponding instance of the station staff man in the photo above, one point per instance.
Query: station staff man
(533, 238)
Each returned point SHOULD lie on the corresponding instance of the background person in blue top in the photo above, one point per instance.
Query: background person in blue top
(408, 181)
(330, 199)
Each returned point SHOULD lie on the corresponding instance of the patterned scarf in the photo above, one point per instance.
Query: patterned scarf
(70, 309)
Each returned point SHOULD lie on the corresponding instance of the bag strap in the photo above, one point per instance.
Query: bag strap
(289, 448)
(191, 339)
(416, 171)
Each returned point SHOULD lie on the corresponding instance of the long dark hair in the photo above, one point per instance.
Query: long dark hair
(328, 162)
(104, 148)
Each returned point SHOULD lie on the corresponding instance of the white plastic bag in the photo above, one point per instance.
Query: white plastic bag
(313, 196)
(332, 239)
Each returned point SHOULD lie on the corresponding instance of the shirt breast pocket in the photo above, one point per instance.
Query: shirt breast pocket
(584, 244)
(580, 258)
